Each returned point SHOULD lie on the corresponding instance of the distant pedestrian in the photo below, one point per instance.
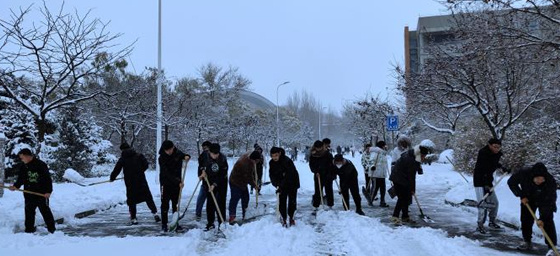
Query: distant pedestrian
(137, 190)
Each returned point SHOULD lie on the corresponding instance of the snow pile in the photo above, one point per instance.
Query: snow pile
(428, 144)
(446, 156)
(73, 176)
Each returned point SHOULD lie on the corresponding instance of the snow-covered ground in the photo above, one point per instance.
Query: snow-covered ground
(344, 233)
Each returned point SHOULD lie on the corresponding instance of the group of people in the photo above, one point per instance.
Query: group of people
(535, 186)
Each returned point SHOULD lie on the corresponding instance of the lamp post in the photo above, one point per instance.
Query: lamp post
(320, 124)
(277, 115)
(158, 84)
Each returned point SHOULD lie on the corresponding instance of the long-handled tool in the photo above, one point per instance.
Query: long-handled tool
(190, 199)
(320, 189)
(215, 202)
(24, 191)
(346, 208)
(422, 215)
(278, 207)
(100, 182)
(175, 219)
(257, 188)
(491, 190)
(455, 168)
(76, 178)
(542, 229)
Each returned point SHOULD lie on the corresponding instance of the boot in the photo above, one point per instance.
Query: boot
(164, 228)
(360, 212)
(284, 223)
(209, 227)
(383, 204)
(231, 220)
(156, 218)
(493, 225)
(292, 222)
(525, 246)
(480, 228)
(396, 220)
(134, 221)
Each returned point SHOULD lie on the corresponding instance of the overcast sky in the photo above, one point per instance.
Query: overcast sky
(336, 50)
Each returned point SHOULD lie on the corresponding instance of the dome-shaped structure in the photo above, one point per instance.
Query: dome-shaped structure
(256, 101)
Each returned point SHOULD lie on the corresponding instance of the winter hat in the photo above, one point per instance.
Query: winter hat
(256, 146)
(539, 170)
(494, 141)
(318, 144)
(380, 144)
(327, 141)
(338, 158)
(167, 145)
(124, 146)
(214, 148)
(255, 155)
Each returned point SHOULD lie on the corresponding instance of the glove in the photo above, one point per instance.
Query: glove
(278, 190)
(373, 168)
(487, 189)
(420, 171)
(506, 170)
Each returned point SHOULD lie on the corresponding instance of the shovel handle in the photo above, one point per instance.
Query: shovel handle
(542, 229)
(25, 191)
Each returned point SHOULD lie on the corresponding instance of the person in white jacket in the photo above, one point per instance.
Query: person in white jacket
(379, 170)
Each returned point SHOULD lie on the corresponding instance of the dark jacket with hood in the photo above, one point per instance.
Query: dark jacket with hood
(170, 167)
(243, 172)
(34, 176)
(346, 172)
(283, 173)
(321, 161)
(522, 185)
(486, 163)
(133, 166)
(217, 170)
(405, 169)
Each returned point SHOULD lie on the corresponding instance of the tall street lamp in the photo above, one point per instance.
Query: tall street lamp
(158, 82)
(277, 115)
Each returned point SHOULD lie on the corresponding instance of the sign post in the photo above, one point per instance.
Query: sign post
(2, 167)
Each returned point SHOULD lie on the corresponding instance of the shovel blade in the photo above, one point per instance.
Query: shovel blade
(174, 221)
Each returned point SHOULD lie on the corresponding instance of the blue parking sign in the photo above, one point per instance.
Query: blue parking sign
(392, 123)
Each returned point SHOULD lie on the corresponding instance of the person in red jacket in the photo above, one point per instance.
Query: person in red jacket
(34, 176)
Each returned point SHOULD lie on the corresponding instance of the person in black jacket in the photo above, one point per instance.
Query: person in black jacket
(216, 169)
(170, 163)
(260, 168)
(321, 165)
(536, 188)
(201, 199)
(137, 189)
(487, 161)
(348, 174)
(285, 177)
(34, 176)
(403, 177)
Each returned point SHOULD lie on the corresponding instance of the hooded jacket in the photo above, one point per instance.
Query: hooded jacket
(522, 185)
(170, 167)
(34, 176)
(243, 172)
(283, 173)
(133, 166)
(406, 167)
(378, 159)
(321, 162)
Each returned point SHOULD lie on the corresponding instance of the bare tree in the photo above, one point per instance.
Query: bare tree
(55, 56)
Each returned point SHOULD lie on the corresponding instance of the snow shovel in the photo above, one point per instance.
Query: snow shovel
(454, 168)
(257, 188)
(24, 191)
(490, 192)
(278, 207)
(422, 215)
(175, 218)
(217, 208)
(189, 203)
(346, 208)
(542, 229)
